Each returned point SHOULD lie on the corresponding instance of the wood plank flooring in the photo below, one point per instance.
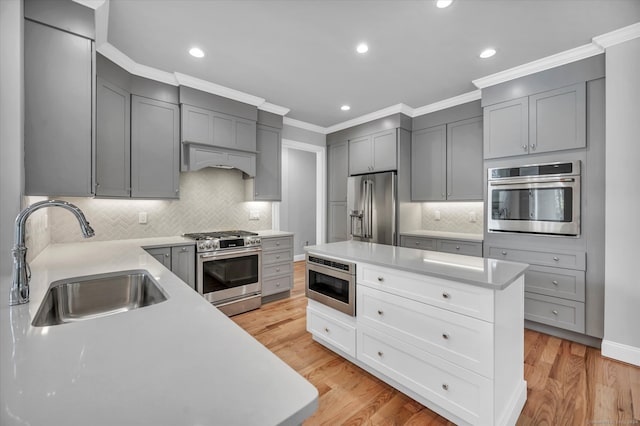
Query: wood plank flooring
(567, 383)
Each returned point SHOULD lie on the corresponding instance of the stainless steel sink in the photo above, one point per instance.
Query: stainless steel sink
(95, 296)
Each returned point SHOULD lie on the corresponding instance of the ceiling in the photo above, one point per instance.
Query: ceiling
(301, 54)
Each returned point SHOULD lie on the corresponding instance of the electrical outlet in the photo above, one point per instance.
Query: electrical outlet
(436, 215)
(142, 217)
(472, 217)
(254, 214)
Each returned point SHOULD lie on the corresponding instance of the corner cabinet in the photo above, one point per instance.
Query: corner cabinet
(549, 121)
(446, 162)
(373, 153)
(268, 180)
(181, 260)
(337, 175)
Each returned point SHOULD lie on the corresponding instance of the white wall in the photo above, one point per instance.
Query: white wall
(11, 124)
(622, 285)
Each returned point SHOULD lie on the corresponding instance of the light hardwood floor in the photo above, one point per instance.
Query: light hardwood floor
(567, 383)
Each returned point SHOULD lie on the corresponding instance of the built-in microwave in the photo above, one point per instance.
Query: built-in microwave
(535, 199)
(331, 282)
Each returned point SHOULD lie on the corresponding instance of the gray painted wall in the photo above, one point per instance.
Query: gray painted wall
(298, 208)
(302, 135)
(11, 124)
(622, 289)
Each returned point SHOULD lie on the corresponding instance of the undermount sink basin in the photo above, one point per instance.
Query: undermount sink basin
(95, 296)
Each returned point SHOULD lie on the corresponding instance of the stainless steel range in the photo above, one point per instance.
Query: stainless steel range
(229, 269)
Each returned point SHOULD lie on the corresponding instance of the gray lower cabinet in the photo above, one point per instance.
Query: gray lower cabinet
(155, 148)
(549, 121)
(268, 179)
(338, 222)
(464, 247)
(181, 260)
(277, 267)
(207, 127)
(58, 96)
(373, 153)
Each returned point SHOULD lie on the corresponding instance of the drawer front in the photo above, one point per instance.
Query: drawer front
(332, 331)
(271, 257)
(559, 313)
(571, 260)
(460, 247)
(277, 285)
(421, 243)
(556, 282)
(476, 302)
(462, 340)
(277, 269)
(463, 393)
(277, 243)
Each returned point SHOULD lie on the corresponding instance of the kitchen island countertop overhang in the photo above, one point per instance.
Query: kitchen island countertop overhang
(181, 361)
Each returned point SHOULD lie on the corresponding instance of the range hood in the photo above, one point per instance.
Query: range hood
(197, 156)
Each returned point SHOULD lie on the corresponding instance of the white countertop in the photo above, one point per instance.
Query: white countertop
(179, 362)
(491, 273)
(444, 234)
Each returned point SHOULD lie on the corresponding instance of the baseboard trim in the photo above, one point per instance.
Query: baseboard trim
(515, 406)
(621, 352)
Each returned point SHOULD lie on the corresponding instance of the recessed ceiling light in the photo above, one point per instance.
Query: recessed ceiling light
(487, 53)
(443, 3)
(197, 52)
(362, 48)
(345, 107)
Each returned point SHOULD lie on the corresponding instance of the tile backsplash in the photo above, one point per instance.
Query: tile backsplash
(454, 217)
(210, 199)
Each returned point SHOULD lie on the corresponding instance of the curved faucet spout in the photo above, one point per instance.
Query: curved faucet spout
(21, 274)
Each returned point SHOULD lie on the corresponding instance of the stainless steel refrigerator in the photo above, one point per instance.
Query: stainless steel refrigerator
(371, 205)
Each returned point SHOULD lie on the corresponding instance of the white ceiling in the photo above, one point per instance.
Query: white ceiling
(300, 54)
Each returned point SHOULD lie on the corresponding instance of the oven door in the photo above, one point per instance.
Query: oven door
(332, 288)
(228, 275)
(538, 206)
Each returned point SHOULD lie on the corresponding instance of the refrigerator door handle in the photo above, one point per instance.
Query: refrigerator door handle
(368, 197)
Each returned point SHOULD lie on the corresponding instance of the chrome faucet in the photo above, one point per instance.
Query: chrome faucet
(21, 271)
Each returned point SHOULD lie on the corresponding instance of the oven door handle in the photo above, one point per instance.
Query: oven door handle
(529, 181)
(228, 254)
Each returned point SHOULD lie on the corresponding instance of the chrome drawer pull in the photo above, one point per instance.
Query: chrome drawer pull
(445, 386)
(446, 295)
(278, 257)
(524, 147)
(504, 253)
(380, 279)
(380, 353)
(554, 312)
(380, 312)
(556, 258)
(445, 336)
(554, 282)
(326, 330)
(183, 249)
(457, 247)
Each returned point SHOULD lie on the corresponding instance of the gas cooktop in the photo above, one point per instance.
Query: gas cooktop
(224, 240)
(220, 234)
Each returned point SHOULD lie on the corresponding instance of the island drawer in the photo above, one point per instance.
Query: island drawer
(277, 243)
(556, 282)
(277, 285)
(465, 341)
(460, 247)
(477, 302)
(560, 259)
(331, 330)
(271, 257)
(465, 394)
(422, 243)
(560, 313)
(278, 269)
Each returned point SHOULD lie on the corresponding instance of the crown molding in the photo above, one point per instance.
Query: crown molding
(617, 36)
(394, 109)
(562, 58)
(304, 125)
(92, 4)
(122, 60)
(276, 109)
(447, 103)
(216, 89)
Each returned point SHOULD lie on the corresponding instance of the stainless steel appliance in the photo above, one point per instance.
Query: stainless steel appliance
(331, 282)
(229, 269)
(371, 202)
(535, 199)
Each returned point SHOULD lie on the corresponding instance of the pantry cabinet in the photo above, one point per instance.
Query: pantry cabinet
(337, 176)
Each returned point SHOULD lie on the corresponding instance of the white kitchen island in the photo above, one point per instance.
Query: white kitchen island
(445, 329)
(178, 362)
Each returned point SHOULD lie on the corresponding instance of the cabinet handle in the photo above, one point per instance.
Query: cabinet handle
(504, 253)
(446, 295)
(326, 330)
(533, 146)
(278, 257)
(417, 243)
(380, 312)
(524, 147)
(442, 194)
(183, 249)
(380, 279)
(167, 255)
(554, 282)
(445, 386)
(556, 258)
(457, 247)
(277, 269)
(277, 243)
(380, 353)
(449, 194)
(277, 284)
(445, 336)
(554, 312)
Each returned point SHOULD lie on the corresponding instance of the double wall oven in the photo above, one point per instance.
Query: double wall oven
(535, 199)
(331, 282)
(229, 269)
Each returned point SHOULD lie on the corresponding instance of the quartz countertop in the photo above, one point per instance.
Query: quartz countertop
(444, 234)
(490, 273)
(178, 362)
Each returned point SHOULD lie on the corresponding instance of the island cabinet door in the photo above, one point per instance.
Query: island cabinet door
(465, 394)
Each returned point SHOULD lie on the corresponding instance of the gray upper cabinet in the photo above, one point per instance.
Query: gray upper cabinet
(373, 153)
(428, 164)
(338, 171)
(207, 127)
(446, 162)
(113, 140)
(549, 121)
(268, 179)
(58, 90)
(155, 148)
